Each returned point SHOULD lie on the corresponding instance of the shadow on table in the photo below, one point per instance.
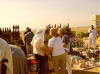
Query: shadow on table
(83, 72)
(78, 72)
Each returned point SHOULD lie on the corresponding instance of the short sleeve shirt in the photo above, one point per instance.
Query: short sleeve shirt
(56, 43)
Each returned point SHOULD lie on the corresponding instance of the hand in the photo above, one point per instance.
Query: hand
(43, 50)
(64, 45)
(50, 49)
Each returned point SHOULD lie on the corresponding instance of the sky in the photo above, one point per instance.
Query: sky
(99, 6)
(39, 13)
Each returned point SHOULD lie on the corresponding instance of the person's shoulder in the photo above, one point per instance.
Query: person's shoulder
(4, 44)
(58, 38)
(52, 39)
(2, 41)
(66, 36)
(25, 33)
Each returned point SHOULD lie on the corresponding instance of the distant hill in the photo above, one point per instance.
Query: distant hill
(80, 29)
(77, 29)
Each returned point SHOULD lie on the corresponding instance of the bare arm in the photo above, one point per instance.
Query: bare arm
(50, 49)
(0, 66)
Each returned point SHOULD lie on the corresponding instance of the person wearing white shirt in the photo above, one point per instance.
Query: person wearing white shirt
(5, 53)
(66, 45)
(57, 51)
(92, 37)
(39, 50)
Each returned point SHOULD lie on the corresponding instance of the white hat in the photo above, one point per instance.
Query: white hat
(39, 31)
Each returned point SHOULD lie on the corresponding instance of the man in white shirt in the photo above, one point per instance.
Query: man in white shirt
(92, 37)
(39, 50)
(5, 53)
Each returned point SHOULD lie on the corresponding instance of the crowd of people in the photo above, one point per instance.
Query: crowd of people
(49, 44)
(54, 43)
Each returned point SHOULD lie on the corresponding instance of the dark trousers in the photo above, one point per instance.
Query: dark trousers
(40, 63)
(46, 65)
(25, 50)
(4, 67)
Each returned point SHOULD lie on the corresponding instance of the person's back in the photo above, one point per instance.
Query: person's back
(29, 37)
(5, 53)
(19, 60)
(58, 49)
(37, 43)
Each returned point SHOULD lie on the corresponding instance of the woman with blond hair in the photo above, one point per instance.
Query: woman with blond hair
(66, 45)
(57, 51)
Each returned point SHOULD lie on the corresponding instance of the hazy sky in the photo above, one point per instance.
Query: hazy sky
(38, 13)
(99, 6)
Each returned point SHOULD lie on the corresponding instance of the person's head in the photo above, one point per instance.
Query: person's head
(53, 32)
(92, 27)
(48, 27)
(61, 32)
(40, 34)
(27, 29)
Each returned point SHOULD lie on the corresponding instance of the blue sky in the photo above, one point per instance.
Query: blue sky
(39, 13)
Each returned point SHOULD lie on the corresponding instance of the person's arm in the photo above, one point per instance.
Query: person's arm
(43, 49)
(50, 49)
(0, 66)
(50, 45)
